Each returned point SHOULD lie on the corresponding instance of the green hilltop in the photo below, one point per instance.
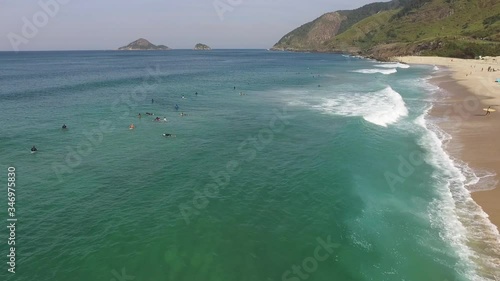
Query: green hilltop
(455, 28)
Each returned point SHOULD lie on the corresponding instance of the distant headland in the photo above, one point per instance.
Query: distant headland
(143, 45)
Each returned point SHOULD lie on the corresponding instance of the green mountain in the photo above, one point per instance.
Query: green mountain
(143, 45)
(456, 28)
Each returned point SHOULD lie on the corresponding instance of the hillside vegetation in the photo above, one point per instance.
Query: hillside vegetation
(456, 28)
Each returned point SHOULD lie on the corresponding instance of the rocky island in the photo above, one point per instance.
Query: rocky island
(202, 47)
(143, 45)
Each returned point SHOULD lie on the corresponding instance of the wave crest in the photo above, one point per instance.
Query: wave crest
(392, 65)
(381, 108)
(377, 70)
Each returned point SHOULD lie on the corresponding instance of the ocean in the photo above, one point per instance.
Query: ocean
(285, 166)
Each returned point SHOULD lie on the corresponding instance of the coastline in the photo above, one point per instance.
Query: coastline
(469, 88)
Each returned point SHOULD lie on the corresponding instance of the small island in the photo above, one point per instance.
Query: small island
(143, 45)
(202, 47)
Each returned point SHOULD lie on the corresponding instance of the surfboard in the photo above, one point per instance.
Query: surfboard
(490, 110)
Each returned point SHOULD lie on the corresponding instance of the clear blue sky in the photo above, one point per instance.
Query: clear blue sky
(109, 24)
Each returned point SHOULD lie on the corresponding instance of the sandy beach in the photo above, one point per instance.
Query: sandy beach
(470, 86)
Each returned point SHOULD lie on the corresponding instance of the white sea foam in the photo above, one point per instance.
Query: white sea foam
(377, 70)
(461, 221)
(392, 65)
(381, 108)
(354, 57)
(435, 68)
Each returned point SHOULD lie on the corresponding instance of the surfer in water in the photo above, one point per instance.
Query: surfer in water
(33, 149)
(196, 93)
(64, 126)
(140, 116)
(176, 107)
(168, 135)
(131, 127)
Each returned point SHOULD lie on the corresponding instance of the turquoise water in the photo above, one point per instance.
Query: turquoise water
(287, 166)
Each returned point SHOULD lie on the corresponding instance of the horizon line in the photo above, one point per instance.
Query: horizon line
(116, 50)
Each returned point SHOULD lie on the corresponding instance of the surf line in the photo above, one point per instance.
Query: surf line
(247, 149)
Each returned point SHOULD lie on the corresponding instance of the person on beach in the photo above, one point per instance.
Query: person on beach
(488, 111)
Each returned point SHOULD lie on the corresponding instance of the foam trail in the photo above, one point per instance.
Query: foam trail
(392, 65)
(377, 70)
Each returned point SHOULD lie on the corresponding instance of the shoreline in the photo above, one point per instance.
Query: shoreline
(466, 89)
(469, 89)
